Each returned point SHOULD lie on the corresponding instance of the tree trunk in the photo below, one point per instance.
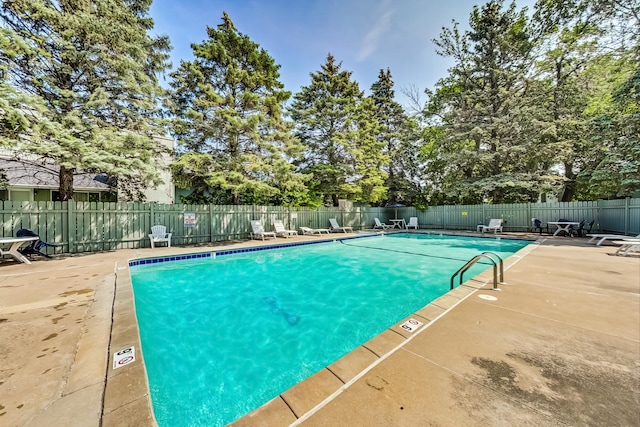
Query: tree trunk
(570, 185)
(334, 199)
(66, 183)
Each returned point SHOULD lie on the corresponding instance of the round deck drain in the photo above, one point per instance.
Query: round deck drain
(488, 297)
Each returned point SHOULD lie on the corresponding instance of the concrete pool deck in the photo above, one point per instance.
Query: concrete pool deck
(559, 346)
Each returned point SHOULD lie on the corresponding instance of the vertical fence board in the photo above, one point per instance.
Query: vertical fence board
(95, 226)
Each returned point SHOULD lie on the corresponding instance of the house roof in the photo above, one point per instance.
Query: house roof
(42, 175)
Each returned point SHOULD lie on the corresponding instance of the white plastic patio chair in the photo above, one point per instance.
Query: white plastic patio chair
(413, 222)
(159, 235)
(279, 229)
(380, 224)
(599, 239)
(627, 246)
(336, 227)
(257, 230)
(306, 231)
(495, 225)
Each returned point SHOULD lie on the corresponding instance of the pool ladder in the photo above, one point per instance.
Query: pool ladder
(489, 256)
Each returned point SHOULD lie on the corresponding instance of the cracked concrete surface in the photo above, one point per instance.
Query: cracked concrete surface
(559, 346)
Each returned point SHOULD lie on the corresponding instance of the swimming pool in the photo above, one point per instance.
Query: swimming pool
(223, 335)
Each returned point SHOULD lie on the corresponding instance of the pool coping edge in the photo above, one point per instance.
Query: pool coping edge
(133, 377)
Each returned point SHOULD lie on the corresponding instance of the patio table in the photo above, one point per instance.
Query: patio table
(399, 223)
(16, 242)
(563, 226)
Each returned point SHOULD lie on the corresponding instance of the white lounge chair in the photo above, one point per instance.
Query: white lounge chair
(279, 229)
(413, 222)
(158, 235)
(311, 231)
(380, 224)
(336, 227)
(599, 239)
(495, 225)
(257, 230)
(628, 246)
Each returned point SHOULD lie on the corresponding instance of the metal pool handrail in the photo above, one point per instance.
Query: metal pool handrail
(488, 255)
(500, 264)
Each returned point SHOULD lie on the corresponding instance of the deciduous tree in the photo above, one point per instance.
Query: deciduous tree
(478, 149)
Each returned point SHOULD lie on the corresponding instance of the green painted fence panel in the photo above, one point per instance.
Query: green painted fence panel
(97, 226)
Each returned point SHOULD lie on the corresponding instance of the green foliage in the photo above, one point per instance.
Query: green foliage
(81, 86)
(236, 145)
(337, 128)
(477, 143)
(399, 138)
(588, 59)
(530, 108)
(615, 171)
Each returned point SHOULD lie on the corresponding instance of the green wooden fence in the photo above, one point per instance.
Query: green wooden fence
(91, 226)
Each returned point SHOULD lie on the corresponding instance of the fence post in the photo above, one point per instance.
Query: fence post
(210, 207)
(626, 216)
(71, 227)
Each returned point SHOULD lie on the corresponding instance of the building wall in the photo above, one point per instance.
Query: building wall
(26, 187)
(165, 192)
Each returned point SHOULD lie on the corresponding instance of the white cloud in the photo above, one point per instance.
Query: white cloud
(371, 40)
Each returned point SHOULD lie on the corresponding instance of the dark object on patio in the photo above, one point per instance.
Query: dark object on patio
(35, 246)
(585, 228)
(537, 224)
(588, 227)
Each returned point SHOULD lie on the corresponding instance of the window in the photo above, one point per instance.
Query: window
(42, 195)
(20, 195)
(78, 196)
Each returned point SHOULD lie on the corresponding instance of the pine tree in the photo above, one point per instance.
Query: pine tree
(400, 138)
(228, 103)
(369, 155)
(479, 145)
(84, 76)
(339, 137)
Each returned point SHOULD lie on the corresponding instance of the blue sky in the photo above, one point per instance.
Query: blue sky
(365, 35)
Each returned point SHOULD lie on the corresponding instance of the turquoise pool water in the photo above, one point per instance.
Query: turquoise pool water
(221, 336)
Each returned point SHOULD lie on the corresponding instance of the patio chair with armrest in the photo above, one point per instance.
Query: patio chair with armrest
(495, 225)
(257, 230)
(279, 229)
(336, 227)
(159, 235)
(380, 224)
(585, 227)
(413, 222)
(307, 231)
